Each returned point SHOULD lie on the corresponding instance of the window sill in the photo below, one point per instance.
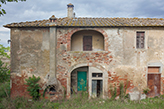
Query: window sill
(88, 51)
(141, 49)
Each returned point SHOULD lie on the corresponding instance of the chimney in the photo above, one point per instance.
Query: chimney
(70, 13)
(52, 18)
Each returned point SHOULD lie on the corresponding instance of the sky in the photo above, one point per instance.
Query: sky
(32, 10)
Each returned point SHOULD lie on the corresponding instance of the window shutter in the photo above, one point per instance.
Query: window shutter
(137, 42)
(87, 43)
(142, 39)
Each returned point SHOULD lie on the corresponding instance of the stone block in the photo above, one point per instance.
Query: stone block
(135, 96)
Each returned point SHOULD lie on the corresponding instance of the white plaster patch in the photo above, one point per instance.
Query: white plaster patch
(45, 45)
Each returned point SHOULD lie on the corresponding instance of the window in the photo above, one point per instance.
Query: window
(97, 74)
(87, 43)
(140, 40)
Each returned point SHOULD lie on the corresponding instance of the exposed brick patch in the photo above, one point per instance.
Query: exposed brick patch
(88, 57)
(115, 80)
(18, 87)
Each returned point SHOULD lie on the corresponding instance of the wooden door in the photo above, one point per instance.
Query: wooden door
(81, 81)
(154, 84)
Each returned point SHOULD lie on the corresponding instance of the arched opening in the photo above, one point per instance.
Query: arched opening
(52, 90)
(90, 79)
(79, 79)
(87, 40)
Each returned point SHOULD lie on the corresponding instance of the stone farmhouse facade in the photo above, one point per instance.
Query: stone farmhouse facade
(72, 54)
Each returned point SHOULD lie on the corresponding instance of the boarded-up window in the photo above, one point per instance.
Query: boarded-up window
(153, 69)
(140, 40)
(87, 43)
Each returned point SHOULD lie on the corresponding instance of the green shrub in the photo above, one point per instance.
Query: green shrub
(122, 93)
(4, 72)
(146, 90)
(33, 87)
(6, 92)
(2, 51)
(127, 96)
(113, 91)
(162, 96)
(44, 92)
(4, 80)
(123, 90)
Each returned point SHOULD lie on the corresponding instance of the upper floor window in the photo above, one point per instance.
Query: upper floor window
(140, 40)
(87, 43)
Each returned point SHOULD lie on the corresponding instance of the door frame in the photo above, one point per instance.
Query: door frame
(97, 78)
(101, 90)
(155, 64)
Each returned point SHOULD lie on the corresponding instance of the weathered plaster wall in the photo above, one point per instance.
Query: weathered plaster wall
(29, 56)
(119, 61)
(120, 58)
(131, 62)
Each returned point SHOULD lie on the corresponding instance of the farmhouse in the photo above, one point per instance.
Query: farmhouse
(72, 54)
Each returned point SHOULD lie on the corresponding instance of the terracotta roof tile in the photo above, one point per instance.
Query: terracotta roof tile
(70, 4)
(92, 22)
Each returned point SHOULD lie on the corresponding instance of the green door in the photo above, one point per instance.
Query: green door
(81, 81)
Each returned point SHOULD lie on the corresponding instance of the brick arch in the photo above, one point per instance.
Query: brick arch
(98, 66)
(104, 34)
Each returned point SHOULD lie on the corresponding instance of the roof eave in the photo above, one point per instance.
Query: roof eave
(49, 26)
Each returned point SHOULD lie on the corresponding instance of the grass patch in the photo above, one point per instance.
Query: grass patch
(77, 101)
(82, 102)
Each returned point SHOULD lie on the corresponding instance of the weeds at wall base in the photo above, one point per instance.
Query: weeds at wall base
(79, 102)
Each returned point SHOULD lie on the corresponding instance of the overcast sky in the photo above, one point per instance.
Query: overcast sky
(43, 9)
